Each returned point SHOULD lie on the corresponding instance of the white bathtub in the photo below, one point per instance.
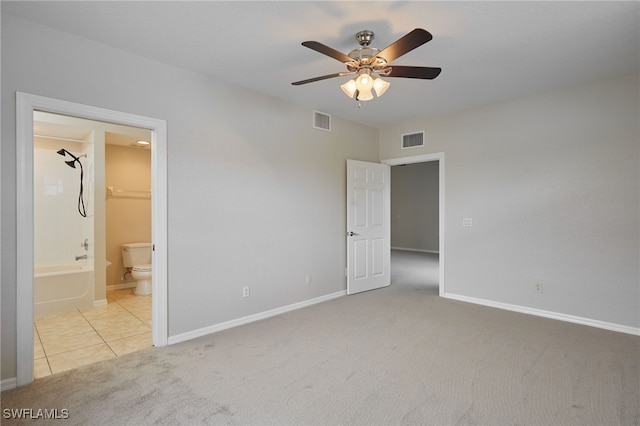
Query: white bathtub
(62, 288)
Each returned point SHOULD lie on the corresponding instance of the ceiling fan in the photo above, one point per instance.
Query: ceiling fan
(366, 62)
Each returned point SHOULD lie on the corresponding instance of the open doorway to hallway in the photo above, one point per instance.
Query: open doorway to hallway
(414, 269)
(415, 223)
(417, 215)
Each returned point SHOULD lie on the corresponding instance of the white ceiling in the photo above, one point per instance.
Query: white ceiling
(488, 50)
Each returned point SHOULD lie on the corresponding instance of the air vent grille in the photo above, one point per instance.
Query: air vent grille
(413, 140)
(321, 121)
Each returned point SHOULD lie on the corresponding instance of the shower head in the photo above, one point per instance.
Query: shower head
(71, 163)
(64, 152)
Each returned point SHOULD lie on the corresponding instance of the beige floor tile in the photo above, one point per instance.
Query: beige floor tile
(71, 339)
(41, 368)
(142, 314)
(79, 357)
(60, 318)
(145, 319)
(66, 344)
(49, 332)
(121, 321)
(38, 351)
(131, 344)
(136, 302)
(110, 334)
(106, 311)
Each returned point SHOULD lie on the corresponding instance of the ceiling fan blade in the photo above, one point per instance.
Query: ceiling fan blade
(326, 50)
(414, 72)
(322, 77)
(403, 45)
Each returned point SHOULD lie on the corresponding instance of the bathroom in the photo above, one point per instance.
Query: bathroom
(92, 193)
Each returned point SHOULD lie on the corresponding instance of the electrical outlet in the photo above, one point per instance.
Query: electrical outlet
(308, 279)
(245, 291)
(467, 221)
(539, 288)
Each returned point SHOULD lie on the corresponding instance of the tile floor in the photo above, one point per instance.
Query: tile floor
(68, 340)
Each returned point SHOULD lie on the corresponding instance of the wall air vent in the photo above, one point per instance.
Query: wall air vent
(321, 121)
(413, 140)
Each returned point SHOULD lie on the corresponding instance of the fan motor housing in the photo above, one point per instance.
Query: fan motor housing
(365, 37)
(365, 57)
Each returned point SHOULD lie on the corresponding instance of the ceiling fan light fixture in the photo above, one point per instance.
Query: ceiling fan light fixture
(364, 95)
(380, 86)
(370, 64)
(349, 88)
(364, 82)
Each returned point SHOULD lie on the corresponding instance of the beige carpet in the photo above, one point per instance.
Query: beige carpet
(400, 355)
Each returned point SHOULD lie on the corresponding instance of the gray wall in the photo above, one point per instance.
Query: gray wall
(256, 195)
(414, 206)
(552, 183)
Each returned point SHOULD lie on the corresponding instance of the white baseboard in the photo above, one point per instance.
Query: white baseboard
(120, 286)
(251, 318)
(413, 249)
(101, 302)
(7, 384)
(547, 314)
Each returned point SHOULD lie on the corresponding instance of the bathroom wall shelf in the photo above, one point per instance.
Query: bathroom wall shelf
(124, 193)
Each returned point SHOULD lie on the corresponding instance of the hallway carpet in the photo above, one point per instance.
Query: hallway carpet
(398, 355)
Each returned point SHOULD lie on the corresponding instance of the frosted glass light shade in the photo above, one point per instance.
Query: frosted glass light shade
(349, 88)
(380, 86)
(364, 82)
(361, 87)
(364, 95)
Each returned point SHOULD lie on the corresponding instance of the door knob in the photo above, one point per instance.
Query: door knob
(351, 234)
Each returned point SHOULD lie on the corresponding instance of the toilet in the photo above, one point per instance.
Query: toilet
(136, 257)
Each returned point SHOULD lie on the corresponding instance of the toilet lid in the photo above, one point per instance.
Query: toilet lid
(142, 268)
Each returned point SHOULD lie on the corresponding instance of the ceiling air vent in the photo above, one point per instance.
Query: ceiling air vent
(413, 140)
(321, 121)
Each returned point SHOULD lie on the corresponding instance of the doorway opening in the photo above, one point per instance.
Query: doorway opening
(425, 243)
(85, 309)
(29, 105)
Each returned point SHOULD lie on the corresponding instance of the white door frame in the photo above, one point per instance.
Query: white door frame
(25, 105)
(439, 157)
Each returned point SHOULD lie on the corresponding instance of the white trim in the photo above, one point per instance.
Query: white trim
(439, 157)
(24, 242)
(251, 318)
(101, 302)
(415, 249)
(546, 314)
(120, 286)
(25, 105)
(7, 384)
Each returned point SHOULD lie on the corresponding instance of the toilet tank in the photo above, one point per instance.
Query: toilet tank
(136, 254)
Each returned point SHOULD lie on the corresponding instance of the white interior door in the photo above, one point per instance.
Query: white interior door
(368, 226)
